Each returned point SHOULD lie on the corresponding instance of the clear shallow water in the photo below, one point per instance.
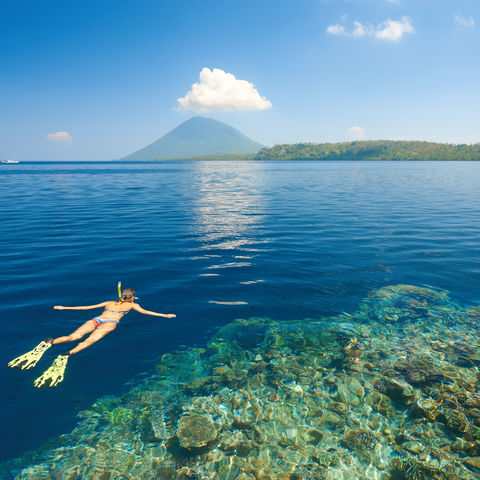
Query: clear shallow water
(283, 240)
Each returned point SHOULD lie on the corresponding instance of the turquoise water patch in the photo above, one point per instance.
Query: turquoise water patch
(390, 390)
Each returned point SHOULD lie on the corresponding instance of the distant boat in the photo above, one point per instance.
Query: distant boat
(10, 161)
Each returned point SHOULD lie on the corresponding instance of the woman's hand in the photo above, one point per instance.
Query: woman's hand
(58, 307)
(169, 315)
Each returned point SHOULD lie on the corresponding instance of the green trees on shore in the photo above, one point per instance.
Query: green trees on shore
(371, 150)
(389, 150)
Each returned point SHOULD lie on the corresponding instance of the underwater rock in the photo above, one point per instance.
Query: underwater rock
(331, 419)
(353, 351)
(339, 408)
(397, 389)
(473, 462)
(457, 421)
(473, 400)
(464, 354)
(414, 447)
(356, 388)
(422, 370)
(314, 436)
(310, 472)
(100, 474)
(401, 303)
(380, 403)
(426, 408)
(196, 431)
(237, 442)
(165, 472)
(119, 416)
(413, 469)
(37, 472)
(106, 404)
(407, 294)
(359, 439)
(326, 459)
(161, 427)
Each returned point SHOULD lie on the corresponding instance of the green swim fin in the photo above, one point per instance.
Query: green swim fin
(30, 359)
(54, 374)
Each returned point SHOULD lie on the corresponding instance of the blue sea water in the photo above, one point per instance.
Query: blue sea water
(210, 242)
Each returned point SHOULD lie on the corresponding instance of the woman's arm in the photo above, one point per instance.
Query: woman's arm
(138, 308)
(87, 307)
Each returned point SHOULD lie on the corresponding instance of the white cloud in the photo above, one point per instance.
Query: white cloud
(462, 21)
(336, 30)
(60, 137)
(360, 30)
(356, 133)
(394, 30)
(389, 30)
(222, 92)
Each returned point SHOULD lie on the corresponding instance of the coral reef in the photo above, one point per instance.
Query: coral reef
(389, 392)
(195, 431)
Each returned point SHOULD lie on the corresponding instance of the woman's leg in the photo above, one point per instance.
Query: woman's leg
(99, 333)
(87, 327)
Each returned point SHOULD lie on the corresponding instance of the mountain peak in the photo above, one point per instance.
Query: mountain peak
(197, 136)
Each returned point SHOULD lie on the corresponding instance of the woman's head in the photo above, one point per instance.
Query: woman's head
(128, 295)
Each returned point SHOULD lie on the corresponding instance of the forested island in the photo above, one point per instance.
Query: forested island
(368, 150)
(371, 150)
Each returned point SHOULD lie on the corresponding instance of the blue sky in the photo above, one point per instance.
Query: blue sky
(98, 80)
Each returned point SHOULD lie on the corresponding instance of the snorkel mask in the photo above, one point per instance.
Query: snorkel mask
(126, 294)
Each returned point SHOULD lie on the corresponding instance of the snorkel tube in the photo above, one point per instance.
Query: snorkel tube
(119, 286)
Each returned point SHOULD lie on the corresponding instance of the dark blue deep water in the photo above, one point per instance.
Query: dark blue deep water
(289, 240)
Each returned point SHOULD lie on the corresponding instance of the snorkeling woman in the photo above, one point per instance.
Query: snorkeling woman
(98, 327)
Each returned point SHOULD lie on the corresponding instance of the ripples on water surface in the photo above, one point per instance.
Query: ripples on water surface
(211, 242)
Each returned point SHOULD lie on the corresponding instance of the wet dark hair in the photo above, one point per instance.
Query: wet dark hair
(128, 294)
